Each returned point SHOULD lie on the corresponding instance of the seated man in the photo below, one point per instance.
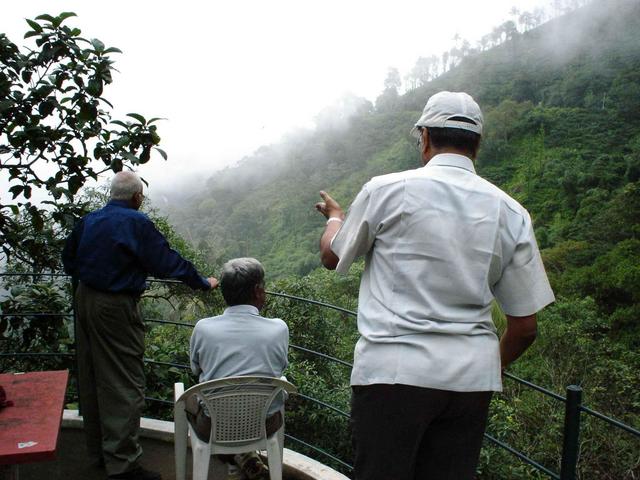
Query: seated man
(237, 343)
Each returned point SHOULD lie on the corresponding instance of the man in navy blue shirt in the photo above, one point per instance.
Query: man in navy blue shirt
(110, 253)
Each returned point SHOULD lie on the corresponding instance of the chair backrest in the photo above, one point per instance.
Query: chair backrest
(238, 406)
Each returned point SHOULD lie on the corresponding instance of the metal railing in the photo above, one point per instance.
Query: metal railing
(572, 400)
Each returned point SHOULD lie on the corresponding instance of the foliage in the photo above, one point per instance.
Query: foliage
(56, 131)
(37, 332)
(573, 348)
(36, 321)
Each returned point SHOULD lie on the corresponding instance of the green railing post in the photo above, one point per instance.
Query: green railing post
(571, 433)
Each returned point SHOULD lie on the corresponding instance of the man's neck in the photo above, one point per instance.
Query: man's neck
(432, 152)
(123, 203)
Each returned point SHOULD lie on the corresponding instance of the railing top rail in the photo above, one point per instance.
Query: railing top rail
(535, 387)
(32, 274)
(313, 302)
(322, 355)
(522, 457)
(611, 421)
(319, 450)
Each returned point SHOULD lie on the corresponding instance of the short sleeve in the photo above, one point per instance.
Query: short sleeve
(523, 289)
(194, 356)
(356, 236)
(285, 343)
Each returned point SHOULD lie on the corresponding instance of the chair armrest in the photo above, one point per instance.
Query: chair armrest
(178, 389)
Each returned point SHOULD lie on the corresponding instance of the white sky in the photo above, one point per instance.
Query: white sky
(233, 75)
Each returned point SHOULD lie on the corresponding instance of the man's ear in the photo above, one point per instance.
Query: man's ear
(258, 290)
(426, 141)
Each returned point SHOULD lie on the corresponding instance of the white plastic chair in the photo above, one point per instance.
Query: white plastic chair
(238, 407)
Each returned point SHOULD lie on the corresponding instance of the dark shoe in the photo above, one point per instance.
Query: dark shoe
(138, 474)
(251, 465)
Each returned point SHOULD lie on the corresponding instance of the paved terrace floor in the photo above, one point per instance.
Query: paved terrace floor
(73, 463)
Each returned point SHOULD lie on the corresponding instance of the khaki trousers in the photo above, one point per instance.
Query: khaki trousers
(110, 348)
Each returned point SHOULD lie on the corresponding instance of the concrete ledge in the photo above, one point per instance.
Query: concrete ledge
(294, 464)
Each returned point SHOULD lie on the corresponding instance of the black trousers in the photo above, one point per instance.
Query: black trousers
(402, 432)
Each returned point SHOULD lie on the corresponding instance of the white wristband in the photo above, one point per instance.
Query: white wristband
(333, 219)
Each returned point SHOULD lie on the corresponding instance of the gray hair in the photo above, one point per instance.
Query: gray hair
(125, 185)
(239, 278)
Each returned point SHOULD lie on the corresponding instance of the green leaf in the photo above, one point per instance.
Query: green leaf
(87, 112)
(145, 155)
(75, 32)
(31, 34)
(112, 50)
(34, 25)
(14, 209)
(64, 15)
(97, 45)
(116, 165)
(75, 183)
(61, 18)
(155, 119)
(46, 108)
(36, 218)
(45, 16)
(105, 101)
(16, 190)
(132, 158)
(138, 117)
(94, 87)
(121, 142)
(120, 123)
(162, 152)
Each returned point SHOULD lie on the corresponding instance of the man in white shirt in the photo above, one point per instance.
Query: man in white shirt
(237, 343)
(440, 244)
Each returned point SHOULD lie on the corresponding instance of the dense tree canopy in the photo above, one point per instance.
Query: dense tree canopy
(56, 132)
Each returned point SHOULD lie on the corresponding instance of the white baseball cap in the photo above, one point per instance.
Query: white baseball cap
(443, 106)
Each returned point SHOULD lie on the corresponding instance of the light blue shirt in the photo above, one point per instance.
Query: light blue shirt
(440, 244)
(237, 343)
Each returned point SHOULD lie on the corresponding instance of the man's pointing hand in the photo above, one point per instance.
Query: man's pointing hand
(329, 207)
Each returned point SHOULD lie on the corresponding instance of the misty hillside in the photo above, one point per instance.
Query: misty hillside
(562, 111)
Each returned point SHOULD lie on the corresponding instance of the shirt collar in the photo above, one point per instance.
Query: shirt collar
(452, 160)
(242, 309)
(119, 203)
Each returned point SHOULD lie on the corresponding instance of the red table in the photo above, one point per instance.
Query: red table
(29, 429)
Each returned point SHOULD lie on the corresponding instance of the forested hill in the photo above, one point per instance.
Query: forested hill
(562, 110)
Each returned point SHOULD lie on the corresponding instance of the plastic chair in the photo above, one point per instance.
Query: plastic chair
(238, 407)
